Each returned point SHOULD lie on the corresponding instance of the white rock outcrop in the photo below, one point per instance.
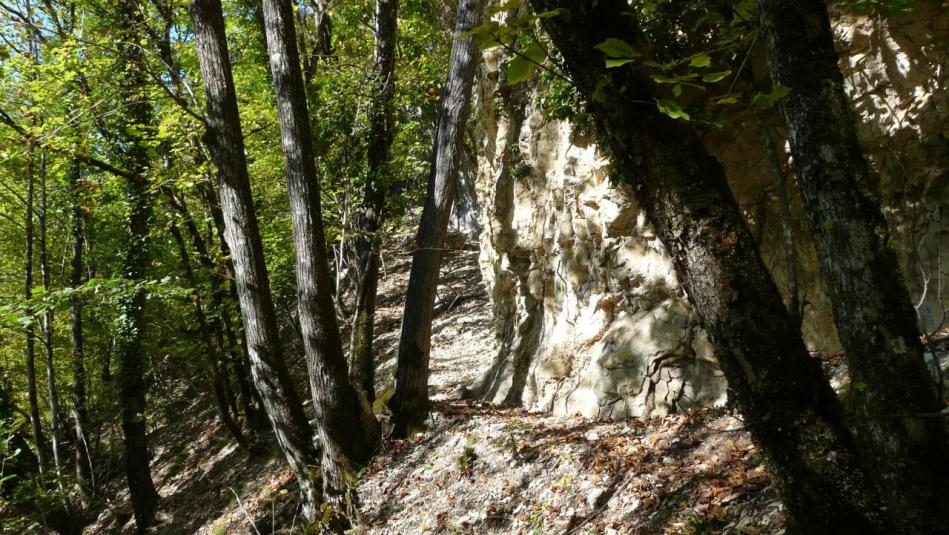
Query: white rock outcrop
(590, 317)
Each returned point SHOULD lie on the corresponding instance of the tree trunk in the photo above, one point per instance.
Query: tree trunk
(787, 230)
(363, 370)
(226, 142)
(30, 351)
(893, 395)
(409, 404)
(218, 321)
(55, 430)
(317, 44)
(80, 409)
(214, 364)
(130, 359)
(236, 340)
(787, 404)
(347, 428)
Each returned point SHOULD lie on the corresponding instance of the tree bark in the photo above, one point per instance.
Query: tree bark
(369, 223)
(55, 430)
(30, 351)
(787, 404)
(787, 230)
(226, 143)
(130, 359)
(892, 392)
(347, 428)
(80, 408)
(410, 404)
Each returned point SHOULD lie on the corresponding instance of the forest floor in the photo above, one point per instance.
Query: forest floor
(478, 468)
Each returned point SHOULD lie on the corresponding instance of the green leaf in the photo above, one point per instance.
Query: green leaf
(617, 62)
(763, 101)
(486, 35)
(827, 225)
(724, 100)
(522, 66)
(617, 48)
(534, 53)
(519, 69)
(701, 60)
(677, 90)
(663, 79)
(506, 6)
(713, 77)
(672, 109)
(559, 12)
(599, 94)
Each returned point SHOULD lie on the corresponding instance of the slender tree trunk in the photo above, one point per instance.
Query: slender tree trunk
(318, 44)
(214, 364)
(218, 320)
(894, 397)
(363, 367)
(787, 404)
(47, 325)
(80, 409)
(226, 142)
(787, 230)
(35, 423)
(130, 358)
(347, 428)
(409, 404)
(236, 339)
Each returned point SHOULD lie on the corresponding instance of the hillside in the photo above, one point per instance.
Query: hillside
(480, 468)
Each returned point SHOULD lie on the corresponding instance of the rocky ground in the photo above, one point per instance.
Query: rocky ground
(479, 468)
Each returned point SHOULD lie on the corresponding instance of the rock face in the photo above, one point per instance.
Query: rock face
(590, 317)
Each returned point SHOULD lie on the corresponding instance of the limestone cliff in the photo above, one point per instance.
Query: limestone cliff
(590, 317)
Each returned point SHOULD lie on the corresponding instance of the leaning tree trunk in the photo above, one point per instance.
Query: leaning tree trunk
(893, 396)
(348, 430)
(55, 428)
(214, 364)
(787, 404)
(30, 351)
(787, 230)
(234, 335)
(226, 142)
(363, 368)
(409, 404)
(80, 408)
(218, 320)
(130, 358)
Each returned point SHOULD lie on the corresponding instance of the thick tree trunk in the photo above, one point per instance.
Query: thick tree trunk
(409, 404)
(893, 395)
(130, 359)
(363, 366)
(30, 351)
(787, 404)
(226, 142)
(52, 391)
(80, 409)
(348, 430)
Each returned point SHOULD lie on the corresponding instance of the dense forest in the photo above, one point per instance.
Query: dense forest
(474, 266)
